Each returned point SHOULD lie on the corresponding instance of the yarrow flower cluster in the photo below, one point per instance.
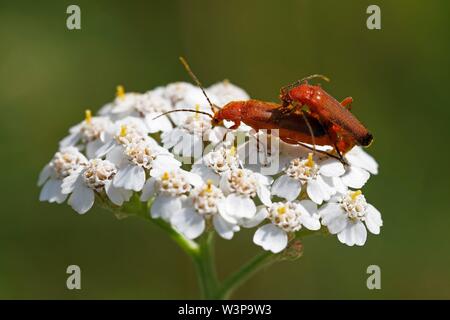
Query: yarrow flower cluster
(135, 149)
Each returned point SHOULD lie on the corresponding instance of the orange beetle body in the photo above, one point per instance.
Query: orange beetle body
(328, 110)
(267, 115)
(326, 122)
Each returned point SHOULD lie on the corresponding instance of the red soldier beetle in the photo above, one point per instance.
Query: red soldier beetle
(329, 111)
(295, 126)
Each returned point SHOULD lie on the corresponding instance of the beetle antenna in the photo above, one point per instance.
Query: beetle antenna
(199, 84)
(184, 110)
(313, 76)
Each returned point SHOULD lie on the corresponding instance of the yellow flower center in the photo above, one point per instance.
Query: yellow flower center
(233, 151)
(120, 92)
(197, 115)
(310, 161)
(355, 194)
(123, 131)
(231, 155)
(165, 176)
(208, 186)
(281, 210)
(88, 116)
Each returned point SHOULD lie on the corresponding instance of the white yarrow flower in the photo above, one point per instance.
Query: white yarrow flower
(286, 218)
(201, 206)
(346, 215)
(91, 133)
(320, 179)
(63, 164)
(137, 161)
(125, 131)
(216, 162)
(225, 92)
(134, 144)
(95, 177)
(241, 186)
(169, 189)
(361, 166)
(187, 139)
(122, 105)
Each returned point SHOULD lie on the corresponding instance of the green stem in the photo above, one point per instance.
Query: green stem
(205, 267)
(260, 261)
(202, 253)
(141, 209)
(189, 246)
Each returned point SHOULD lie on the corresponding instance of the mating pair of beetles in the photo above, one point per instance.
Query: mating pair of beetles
(307, 115)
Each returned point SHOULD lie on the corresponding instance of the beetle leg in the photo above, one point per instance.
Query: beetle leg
(341, 157)
(310, 131)
(304, 145)
(347, 103)
(235, 125)
(338, 142)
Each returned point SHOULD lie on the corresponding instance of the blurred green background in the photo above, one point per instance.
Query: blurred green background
(398, 76)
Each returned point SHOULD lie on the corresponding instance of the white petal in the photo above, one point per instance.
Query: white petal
(188, 222)
(373, 219)
(261, 214)
(165, 206)
(358, 157)
(189, 145)
(76, 128)
(130, 177)
(104, 149)
(161, 124)
(171, 138)
(326, 187)
(355, 177)
(71, 181)
(262, 179)
(70, 140)
(51, 192)
(224, 185)
(116, 155)
(206, 173)
(193, 179)
(216, 134)
(92, 147)
(165, 162)
(308, 206)
(197, 147)
(148, 190)
(310, 222)
(222, 208)
(339, 186)
(239, 206)
(309, 216)
(81, 199)
(354, 233)
(334, 217)
(332, 168)
(271, 238)
(44, 174)
(225, 229)
(117, 195)
(264, 194)
(314, 191)
(286, 187)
